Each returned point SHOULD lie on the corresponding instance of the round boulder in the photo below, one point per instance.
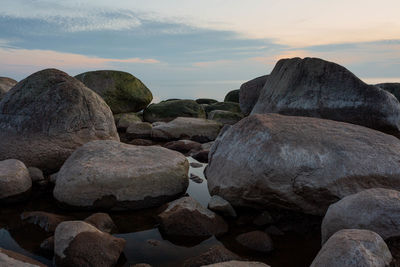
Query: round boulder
(249, 93)
(15, 181)
(352, 247)
(113, 175)
(169, 110)
(375, 209)
(299, 163)
(46, 116)
(122, 91)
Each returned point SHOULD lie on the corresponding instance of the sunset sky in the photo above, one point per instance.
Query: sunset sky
(192, 48)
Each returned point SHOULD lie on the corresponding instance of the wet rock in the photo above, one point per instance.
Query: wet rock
(142, 142)
(15, 182)
(139, 130)
(263, 219)
(353, 247)
(45, 220)
(103, 222)
(113, 175)
(183, 146)
(186, 217)
(196, 165)
(200, 130)
(249, 93)
(206, 101)
(36, 175)
(123, 120)
(46, 116)
(375, 209)
(232, 96)
(225, 117)
(122, 91)
(11, 258)
(80, 244)
(256, 240)
(238, 264)
(213, 255)
(201, 156)
(220, 205)
(169, 110)
(5, 85)
(195, 178)
(313, 87)
(48, 245)
(275, 161)
(228, 106)
(393, 88)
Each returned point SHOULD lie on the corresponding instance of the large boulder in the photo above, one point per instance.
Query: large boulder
(170, 110)
(228, 106)
(225, 117)
(5, 85)
(199, 130)
(78, 243)
(46, 116)
(374, 209)
(15, 181)
(249, 93)
(186, 217)
(232, 96)
(352, 247)
(393, 88)
(313, 87)
(122, 91)
(215, 254)
(299, 163)
(10, 258)
(113, 175)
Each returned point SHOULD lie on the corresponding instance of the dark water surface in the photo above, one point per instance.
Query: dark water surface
(146, 244)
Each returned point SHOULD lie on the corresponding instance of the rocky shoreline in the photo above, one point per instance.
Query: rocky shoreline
(301, 168)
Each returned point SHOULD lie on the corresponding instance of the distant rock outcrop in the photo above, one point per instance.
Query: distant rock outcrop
(122, 91)
(46, 116)
(299, 163)
(314, 87)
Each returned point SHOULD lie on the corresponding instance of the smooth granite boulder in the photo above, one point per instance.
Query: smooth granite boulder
(299, 163)
(122, 91)
(352, 247)
(46, 116)
(15, 181)
(169, 110)
(113, 175)
(314, 87)
(375, 209)
(249, 93)
(5, 85)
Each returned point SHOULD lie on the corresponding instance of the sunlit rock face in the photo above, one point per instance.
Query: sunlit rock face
(46, 116)
(299, 163)
(314, 87)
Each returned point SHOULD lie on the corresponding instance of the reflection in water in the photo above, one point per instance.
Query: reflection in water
(195, 190)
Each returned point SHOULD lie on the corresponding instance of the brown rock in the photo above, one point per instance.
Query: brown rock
(103, 222)
(256, 240)
(214, 254)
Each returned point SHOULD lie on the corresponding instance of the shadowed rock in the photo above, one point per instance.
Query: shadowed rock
(249, 93)
(46, 116)
(5, 85)
(215, 254)
(313, 87)
(393, 88)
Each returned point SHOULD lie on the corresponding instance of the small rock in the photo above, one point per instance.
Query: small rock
(183, 146)
(263, 219)
(80, 244)
(45, 220)
(214, 254)
(196, 165)
(256, 240)
(15, 181)
(352, 247)
(220, 205)
(238, 264)
(139, 130)
(186, 217)
(36, 174)
(10, 258)
(103, 222)
(195, 178)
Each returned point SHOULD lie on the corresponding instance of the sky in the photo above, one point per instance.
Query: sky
(192, 49)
